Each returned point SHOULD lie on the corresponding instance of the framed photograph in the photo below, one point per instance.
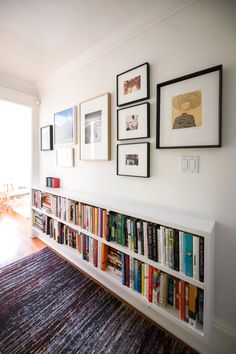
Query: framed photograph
(189, 110)
(133, 85)
(46, 138)
(65, 157)
(65, 127)
(133, 122)
(133, 160)
(95, 115)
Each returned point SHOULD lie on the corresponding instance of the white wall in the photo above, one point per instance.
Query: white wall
(201, 36)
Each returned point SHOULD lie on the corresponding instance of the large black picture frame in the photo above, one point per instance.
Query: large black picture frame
(199, 92)
(133, 85)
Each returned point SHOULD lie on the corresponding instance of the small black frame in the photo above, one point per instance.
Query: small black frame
(122, 156)
(210, 88)
(46, 138)
(136, 90)
(143, 124)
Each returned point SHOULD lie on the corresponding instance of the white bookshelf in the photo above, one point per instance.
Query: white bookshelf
(165, 316)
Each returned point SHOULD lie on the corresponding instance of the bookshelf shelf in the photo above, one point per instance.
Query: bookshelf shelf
(126, 250)
(169, 315)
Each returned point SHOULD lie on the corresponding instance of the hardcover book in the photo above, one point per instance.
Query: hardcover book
(188, 254)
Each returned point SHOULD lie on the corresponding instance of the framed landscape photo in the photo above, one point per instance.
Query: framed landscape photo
(46, 135)
(133, 160)
(189, 110)
(95, 115)
(133, 122)
(65, 127)
(133, 85)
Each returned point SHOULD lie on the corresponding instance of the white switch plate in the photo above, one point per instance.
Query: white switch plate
(189, 164)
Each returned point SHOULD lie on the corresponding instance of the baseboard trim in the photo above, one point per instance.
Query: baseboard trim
(221, 326)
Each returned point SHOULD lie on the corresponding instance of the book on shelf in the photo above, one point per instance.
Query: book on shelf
(188, 254)
(174, 249)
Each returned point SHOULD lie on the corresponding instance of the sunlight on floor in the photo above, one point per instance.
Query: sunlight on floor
(9, 242)
(15, 240)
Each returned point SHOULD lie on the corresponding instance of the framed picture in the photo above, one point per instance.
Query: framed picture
(46, 138)
(189, 110)
(95, 115)
(65, 157)
(133, 122)
(133, 85)
(65, 127)
(133, 160)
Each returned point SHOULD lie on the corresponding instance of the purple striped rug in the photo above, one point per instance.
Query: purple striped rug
(48, 306)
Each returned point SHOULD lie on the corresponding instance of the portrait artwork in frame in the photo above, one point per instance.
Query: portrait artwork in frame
(95, 115)
(189, 110)
(133, 160)
(133, 85)
(65, 127)
(46, 138)
(133, 122)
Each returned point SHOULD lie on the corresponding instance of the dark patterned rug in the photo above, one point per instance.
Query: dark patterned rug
(48, 306)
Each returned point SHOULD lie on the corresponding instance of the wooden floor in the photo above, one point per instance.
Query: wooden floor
(15, 240)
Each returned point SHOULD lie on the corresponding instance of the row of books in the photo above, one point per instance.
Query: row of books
(158, 287)
(90, 249)
(172, 248)
(90, 218)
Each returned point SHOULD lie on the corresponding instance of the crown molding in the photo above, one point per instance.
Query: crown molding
(14, 83)
(148, 19)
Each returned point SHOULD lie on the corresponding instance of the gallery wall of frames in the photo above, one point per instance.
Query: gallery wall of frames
(188, 115)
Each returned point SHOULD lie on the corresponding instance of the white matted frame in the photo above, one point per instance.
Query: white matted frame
(189, 110)
(133, 122)
(95, 115)
(65, 157)
(65, 127)
(133, 160)
(133, 85)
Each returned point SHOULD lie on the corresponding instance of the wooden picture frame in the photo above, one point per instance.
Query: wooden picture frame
(65, 127)
(46, 138)
(95, 117)
(133, 85)
(189, 110)
(133, 122)
(133, 160)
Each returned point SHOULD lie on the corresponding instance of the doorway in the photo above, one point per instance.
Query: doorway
(15, 157)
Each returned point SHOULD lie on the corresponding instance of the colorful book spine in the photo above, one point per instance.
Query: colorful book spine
(145, 238)
(123, 269)
(196, 257)
(150, 245)
(176, 250)
(154, 243)
(201, 259)
(131, 272)
(192, 305)
(150, 282)
(156, 286)
(123, 228)
(127, 271)
(188, 254)
(162, 242)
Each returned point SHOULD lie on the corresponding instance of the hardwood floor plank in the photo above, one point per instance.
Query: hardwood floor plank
(15, 240)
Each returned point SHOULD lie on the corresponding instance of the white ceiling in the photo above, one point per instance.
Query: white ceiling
(38, 37)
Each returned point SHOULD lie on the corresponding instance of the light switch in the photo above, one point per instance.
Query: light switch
(189, 164)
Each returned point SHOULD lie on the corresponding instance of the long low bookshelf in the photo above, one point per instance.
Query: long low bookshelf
(94, 234)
